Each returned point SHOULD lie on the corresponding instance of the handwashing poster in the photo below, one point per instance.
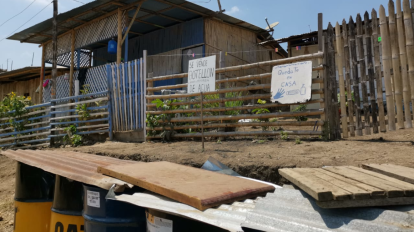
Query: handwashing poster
(292, 83)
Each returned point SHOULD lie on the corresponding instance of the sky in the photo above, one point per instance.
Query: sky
(295, 17)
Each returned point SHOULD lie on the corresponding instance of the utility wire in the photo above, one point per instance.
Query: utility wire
(18, 13)
(27, 21)
(79, 2)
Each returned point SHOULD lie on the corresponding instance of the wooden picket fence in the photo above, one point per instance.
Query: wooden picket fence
(373, 56)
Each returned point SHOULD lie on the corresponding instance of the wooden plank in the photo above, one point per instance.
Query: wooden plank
(346, 190)
(366, 203)
(372, 191)
(316, 189)
(409, 36)
(196, 187)
(340, 64)
(368, 179)
(395, 171)
(348, 79)
(407, 187)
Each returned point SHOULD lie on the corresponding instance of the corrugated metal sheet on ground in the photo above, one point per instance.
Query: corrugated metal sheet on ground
(283, 210)
(73, 165)
(294, 210)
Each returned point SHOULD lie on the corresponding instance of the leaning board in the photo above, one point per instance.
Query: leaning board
(347, 186)
(192, 186)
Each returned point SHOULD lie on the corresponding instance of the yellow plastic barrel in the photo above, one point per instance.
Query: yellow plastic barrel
(67, 206)
(33, 199)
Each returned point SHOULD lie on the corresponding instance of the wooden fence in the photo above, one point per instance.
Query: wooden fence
(187, 115)
(373, 56)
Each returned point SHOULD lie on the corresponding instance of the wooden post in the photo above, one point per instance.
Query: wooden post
(371, 75)
(340, 64)
(321, 46)
(72, 63)
(378, 73)
(222, 86)
(396, 64)
(409, 37)
(362, 72)
(355, 78)
(202, 123)
(54, 52)
(42, 73)
(119, 45)
(332, 86)
(404, 71)
(386, 56)
(348, 79)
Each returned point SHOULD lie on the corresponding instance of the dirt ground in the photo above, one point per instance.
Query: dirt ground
(254, 158)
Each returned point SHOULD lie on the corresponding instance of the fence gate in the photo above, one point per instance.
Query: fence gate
(126, 83)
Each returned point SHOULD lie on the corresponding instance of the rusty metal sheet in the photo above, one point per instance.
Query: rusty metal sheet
(80, 167)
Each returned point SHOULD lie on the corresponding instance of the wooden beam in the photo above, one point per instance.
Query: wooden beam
(72, 62)
(132, 22)
(140, 21)
(135, 33)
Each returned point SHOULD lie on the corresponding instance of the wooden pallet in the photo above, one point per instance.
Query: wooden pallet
(347, 186)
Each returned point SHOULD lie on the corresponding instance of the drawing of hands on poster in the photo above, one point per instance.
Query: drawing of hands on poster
(279, 93)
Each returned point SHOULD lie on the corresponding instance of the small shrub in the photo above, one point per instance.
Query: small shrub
(262, 111)
(298, 141)
(261, 141)
(71, 136)
(284, 135)
(300, 108)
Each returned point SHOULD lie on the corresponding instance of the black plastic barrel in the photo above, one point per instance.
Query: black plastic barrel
(67, 206)
(33, 198)
(103, 215)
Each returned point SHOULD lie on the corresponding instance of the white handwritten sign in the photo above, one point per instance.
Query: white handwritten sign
(292, 83)
(202, 75)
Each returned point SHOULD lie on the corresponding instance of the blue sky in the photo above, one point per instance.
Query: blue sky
(295, 17)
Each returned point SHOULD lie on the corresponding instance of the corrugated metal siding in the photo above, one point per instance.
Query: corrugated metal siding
(178, 36)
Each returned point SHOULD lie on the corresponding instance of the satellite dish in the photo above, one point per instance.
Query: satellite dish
(271, 26)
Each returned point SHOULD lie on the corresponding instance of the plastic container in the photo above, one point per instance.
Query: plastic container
(33, 199)
(112, 46)
(103, 215)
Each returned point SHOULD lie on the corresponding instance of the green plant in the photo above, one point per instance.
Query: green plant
(13, 108)
(83, 111)
(346, 97)
(298, 141)
(162, 120)
(300, 108)
(228, 104)
(284, 135)
(261, 141)
(262, 111)
(71, 136)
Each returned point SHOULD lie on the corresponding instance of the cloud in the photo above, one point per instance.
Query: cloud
(233, 10)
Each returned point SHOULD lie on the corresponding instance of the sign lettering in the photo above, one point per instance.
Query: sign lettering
(202, 75)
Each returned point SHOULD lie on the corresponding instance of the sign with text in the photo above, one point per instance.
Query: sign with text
(202, 75)
(292, 83)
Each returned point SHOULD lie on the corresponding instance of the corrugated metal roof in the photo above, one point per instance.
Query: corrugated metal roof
(284, 210)
(178, 9)
(294, 210)
(73, 165)
(24, 74)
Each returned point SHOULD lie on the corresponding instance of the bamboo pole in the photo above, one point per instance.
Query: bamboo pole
(321, 62)
(362, 72)
(404, 71)
(239, 133)
(378, 72)
(340, 63)
(371, 75)
(222, 109)
(245, 124)
(218, 91)
(42, 74)
(409, 40)
(396, 64)
(72, 63)
(348, 79)
(202, 122)
(249, 116)
(247, 66)
(355, 78)
(119, 45)
(386, 53)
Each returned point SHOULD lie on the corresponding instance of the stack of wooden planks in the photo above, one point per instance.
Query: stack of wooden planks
(196, 187)
(347, 186)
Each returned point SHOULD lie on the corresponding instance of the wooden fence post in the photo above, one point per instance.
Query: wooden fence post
(110, 96)
(371, 76)
(348, 79)
(323, 86)
(150, 84)
(362, 71)
(202, 123)
(222, 86)
(378, 72)
(340, 64)
(386, 53)
(332, 87)
(404, 71)
(355, 78)
(409, 36)
(396, 64)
